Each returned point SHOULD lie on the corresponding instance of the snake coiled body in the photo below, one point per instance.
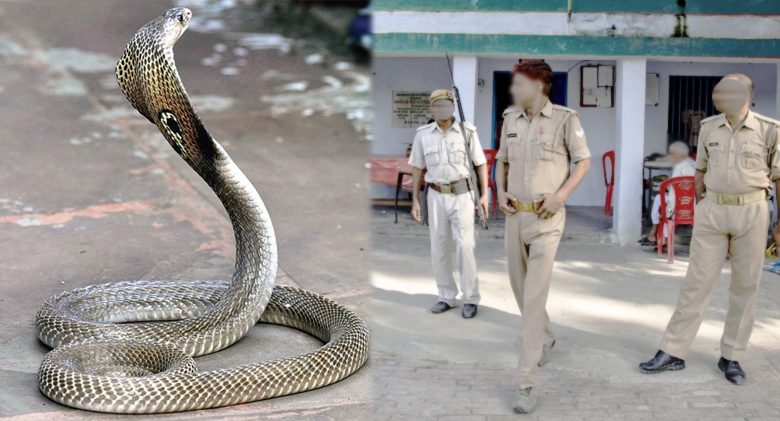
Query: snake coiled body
(127, 347)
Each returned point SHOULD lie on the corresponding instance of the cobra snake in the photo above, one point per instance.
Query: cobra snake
(127, 347)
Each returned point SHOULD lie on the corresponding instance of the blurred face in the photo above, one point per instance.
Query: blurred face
(442, 109)
(676, 156)
(525, 90)
(730, 96)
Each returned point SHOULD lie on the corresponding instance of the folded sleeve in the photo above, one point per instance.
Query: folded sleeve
(502, 153)
(702, 156)
(774, 156)
(477, 154)
(576, 142)
(417, 157)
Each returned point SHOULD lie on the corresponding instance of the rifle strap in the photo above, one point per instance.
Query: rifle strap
(473, 179)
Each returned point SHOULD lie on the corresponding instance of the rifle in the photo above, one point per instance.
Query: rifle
(475, 192)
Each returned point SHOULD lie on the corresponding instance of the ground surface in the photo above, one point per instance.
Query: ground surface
(609, 306)
(90, 192)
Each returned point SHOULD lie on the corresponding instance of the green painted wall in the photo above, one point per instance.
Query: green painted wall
(407, 44)
(728, 7)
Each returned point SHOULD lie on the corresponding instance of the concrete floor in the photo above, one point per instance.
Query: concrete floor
(90, 192)
(609, 306)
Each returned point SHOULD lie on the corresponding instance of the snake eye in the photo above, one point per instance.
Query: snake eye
(180, 18)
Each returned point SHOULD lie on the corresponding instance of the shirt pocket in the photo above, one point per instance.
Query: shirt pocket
(752, 155)
(716, 154)
(432, 154)
(457, 153)
(547, 148)
(513, 146)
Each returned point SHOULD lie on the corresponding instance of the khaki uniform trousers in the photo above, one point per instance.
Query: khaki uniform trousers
(714, 225)
(451, 217)
(531, 244)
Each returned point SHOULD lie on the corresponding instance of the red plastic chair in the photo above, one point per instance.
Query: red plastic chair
(684, 203)
(608, 182)
(490, 156)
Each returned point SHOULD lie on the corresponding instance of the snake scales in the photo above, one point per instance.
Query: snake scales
(127, 347)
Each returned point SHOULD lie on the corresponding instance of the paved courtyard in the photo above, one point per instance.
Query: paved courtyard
(90, 192)
(609, 306)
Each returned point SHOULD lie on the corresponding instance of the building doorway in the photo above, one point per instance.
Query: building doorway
(502, 100)
(690, 102)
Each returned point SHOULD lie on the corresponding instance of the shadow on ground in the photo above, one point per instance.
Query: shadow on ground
(609, 306)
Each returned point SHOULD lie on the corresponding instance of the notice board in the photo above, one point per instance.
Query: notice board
(410, 109)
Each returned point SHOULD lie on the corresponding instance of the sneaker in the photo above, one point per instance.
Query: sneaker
(469, 311)
(525, 401)
(661, 362)
(440, 307)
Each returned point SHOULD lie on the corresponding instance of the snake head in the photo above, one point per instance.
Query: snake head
(174, 22)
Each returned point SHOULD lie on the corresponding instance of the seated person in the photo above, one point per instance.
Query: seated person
(683, 166)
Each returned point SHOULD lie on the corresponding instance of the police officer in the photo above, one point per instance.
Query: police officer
(539, 142)
(737, 161)
(444, 152)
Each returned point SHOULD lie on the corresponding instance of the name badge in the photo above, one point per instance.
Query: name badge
(713, 144)
(511, 135)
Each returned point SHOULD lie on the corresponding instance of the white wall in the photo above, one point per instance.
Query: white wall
(764, 76)
(401, 74)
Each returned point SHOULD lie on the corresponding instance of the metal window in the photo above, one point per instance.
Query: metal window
(690, 101)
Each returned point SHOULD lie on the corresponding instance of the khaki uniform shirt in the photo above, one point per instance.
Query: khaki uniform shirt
(442, 153)
(741, 160)
(539, 151)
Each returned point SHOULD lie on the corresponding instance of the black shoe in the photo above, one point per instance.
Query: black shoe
(469, 311)
(661, 362)
(732, 370)
(646, 242)
(440, 307)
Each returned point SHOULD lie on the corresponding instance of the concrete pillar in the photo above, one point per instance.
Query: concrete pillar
(777, 91)
(630, 132)
(464, 71)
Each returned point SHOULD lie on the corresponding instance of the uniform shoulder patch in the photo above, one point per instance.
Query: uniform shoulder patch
(511, 110)
(564, 112)
(711, 118)
(766, 119)
(562, 108)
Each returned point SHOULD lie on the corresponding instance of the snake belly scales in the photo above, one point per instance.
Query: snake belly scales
(127, 347)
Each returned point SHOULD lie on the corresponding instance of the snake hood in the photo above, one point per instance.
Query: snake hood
(148, 77)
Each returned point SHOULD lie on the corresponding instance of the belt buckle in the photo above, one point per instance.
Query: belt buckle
(530, 207)
(771, 251)
(445, 188)
(730, 200)
(515, 204)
